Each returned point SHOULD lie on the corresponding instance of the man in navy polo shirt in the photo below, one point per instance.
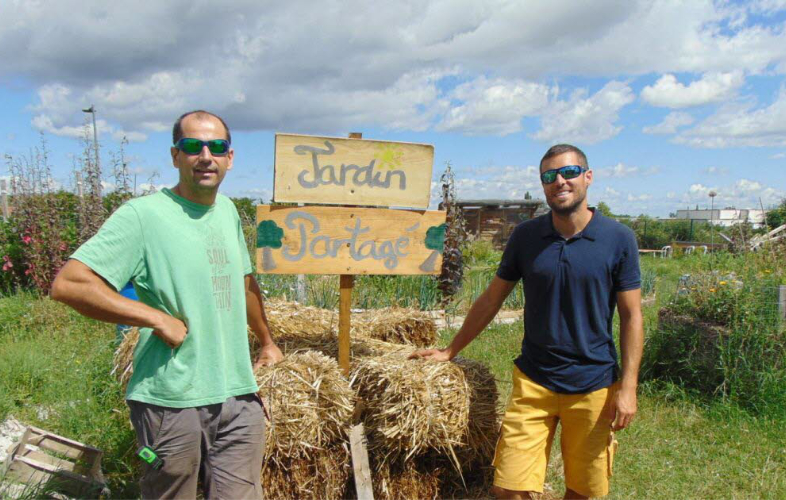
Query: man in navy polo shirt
(577, 267)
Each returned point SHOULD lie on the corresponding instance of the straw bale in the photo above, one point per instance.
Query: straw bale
(397, 325)
(123, 359)
(310, 403)
(391, 324)
(415, 478)
(296, 320)
(483, 425)
(323, 475)
(411, 405)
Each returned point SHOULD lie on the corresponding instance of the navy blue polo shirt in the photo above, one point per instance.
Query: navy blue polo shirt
(570, 295)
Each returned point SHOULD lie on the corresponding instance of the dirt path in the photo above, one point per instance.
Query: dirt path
(503, 317)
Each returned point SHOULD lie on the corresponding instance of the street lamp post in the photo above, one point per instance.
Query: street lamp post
(712, 195)
(92, 111)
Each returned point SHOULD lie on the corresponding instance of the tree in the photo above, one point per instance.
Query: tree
(435, 240)
(269, 236)
(776, 217)
(604, 209)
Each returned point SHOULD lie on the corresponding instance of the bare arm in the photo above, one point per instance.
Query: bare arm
(632, 346)
(78, 286)
(479, 316)
(257, 320)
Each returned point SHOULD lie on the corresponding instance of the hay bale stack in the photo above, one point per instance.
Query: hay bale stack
(396, 325)
(310, 403)
(411, 406)
(323, 475)
(123, 359)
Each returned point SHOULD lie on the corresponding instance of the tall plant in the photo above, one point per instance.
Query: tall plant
(91, 206)
(455, 234)
(40, 232)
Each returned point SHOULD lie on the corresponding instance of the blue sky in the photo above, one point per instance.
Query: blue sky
(668, 99)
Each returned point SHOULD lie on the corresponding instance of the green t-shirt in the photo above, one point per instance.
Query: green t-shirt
(188, 260)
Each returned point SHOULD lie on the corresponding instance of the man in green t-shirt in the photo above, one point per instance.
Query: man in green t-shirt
(192, 395)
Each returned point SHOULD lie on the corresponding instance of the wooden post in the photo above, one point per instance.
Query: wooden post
(782, 301)
(4, 196)
(345, 307)
(344, 321)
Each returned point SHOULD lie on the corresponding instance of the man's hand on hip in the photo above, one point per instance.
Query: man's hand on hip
(171, 330)
(623, 408)
(269, 355)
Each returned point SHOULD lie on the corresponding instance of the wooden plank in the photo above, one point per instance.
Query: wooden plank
(329, 170)
(340, 240)
(357, 444)
(32, 453)
(32, 472)
(344, 321)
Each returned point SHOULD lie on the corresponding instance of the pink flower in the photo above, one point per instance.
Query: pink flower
(7, 266)
(26, 239)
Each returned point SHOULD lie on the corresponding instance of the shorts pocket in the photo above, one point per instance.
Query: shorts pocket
(611, 450)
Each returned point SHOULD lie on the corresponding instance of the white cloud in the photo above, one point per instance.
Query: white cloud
(778, 156)
(716, 170)
(741, 125)
(585, 119)
(621, 170)
(670, 123)
(742, 193)
(713, 87)
(493, 106)
(290, 66)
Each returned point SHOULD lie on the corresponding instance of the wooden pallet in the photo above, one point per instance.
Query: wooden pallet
(56, 464)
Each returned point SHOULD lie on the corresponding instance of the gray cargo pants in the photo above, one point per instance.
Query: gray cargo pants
(221, 444)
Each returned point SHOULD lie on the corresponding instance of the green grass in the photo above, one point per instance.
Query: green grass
(54, 374)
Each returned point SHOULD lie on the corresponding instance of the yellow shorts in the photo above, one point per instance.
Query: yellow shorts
(587, 443)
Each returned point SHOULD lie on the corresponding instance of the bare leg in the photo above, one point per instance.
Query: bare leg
(503, 494)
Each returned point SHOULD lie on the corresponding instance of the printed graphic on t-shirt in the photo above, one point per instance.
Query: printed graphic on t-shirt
(219, 260)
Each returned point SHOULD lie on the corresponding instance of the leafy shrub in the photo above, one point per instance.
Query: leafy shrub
(722, 335)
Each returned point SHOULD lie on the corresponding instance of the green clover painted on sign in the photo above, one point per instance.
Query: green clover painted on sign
(269, 235)
(435, 240)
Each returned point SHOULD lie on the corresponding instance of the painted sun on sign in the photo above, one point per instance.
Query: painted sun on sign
(389, 156)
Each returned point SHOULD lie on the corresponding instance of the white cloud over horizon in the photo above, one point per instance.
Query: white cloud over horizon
(667, 92)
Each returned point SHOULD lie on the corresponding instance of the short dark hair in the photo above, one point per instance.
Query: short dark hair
(559, 149)
(177, 130)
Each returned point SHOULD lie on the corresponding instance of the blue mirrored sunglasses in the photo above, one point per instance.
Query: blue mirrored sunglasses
(567, 172)
(217, 147)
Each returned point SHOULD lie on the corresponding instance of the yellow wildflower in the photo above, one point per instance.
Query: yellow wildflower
(722, 283)
(712, 290)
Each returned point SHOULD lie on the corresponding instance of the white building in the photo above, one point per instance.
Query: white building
(726, 216)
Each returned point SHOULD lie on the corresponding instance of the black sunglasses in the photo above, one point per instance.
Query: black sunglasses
(567, 172)
(217, 147)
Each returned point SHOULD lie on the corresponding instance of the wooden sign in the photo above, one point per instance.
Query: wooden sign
(326, 170)
(343, 240)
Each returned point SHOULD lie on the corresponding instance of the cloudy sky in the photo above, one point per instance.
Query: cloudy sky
(668, 99)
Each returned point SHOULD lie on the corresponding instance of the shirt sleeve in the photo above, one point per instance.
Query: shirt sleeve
(509, 269)
(116, 251)
(627, 274)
